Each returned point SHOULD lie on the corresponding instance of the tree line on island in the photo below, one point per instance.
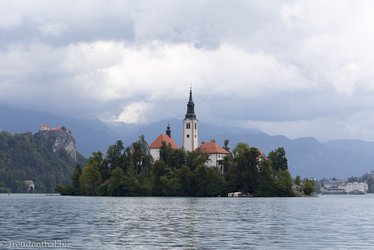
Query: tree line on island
(131, 171)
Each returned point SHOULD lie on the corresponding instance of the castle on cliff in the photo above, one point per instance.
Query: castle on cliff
(190, 137)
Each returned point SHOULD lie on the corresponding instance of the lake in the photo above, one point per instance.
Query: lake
(326, 222)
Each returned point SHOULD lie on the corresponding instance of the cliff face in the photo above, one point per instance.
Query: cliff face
(61, 139)
(44, 159)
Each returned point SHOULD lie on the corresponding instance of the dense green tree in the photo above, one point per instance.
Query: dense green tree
(240, 148)
(201, 177)
(195, 158)
(75, 177)
(65, 189)
(141, 156)
(116, 184)
(226, 145)
(159, 170)
(129, 171)
(266, 182)
(215, 186)
(174, 158)
(186, 180)
(246, 161)
(114, 155)
(308, 186)
(283, 184)
(90, 179)
(97, 158)
(278, 159)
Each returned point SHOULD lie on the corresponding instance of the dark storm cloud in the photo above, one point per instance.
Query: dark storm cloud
(291, 67)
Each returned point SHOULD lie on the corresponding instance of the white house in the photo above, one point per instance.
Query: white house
(155, 146)
(216, 154)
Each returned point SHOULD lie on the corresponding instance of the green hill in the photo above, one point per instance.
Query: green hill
(46, 158)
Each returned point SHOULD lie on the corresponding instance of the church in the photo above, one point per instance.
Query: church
(191, 140)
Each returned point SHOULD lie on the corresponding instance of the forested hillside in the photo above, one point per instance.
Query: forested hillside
(34, 157)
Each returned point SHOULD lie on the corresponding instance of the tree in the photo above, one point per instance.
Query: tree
(195, 158)
(186, 181)
(247, 160)
(266, 182)
(140, 155)
(115, 187)
(75, 177)
(308, 186)
(278, 159)
(240, 148)
(215, 184)
(226, 145)
(90, 179)
(64, 189)
(201, 176)
(98, 159)
(283, 183)
(174, 158)
(158, 171)
(114, 155)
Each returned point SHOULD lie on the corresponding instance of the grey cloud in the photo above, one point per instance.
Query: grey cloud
(268, 62)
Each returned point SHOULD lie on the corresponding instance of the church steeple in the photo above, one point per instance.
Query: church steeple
(190, 107)
(190, 128)
(168, 131)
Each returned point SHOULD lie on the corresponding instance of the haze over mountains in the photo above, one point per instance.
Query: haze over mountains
(307, 156)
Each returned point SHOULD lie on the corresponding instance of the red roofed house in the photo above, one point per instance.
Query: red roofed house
(216, 154)
(156, 144)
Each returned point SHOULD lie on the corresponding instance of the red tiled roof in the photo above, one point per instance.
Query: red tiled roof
(212, 148)
(158, 142)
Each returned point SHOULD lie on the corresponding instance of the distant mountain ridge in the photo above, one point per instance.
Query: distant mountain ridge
(90, 134)
(307, 156)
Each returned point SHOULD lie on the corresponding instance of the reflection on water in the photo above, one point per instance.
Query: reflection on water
(333, 222)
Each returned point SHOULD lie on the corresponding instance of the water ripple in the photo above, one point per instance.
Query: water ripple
(334, 222)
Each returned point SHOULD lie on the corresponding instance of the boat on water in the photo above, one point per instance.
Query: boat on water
(53, 194)
(239, 194)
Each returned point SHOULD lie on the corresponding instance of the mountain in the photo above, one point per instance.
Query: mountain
(41, 160)
(91, 134)
(207, 132)
(307, 156)
(357, 146)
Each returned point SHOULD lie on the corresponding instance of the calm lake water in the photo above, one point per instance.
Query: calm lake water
(326, 222)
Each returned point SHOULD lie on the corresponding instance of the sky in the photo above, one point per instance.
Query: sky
(297, 68)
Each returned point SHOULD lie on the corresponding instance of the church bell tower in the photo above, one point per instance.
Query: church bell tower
(190, 128)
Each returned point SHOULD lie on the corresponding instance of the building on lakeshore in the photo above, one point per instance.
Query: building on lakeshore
(29, 185)
(356, 187)
(155, 146)
(46, 127)
(342, 187)
(216, 154)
